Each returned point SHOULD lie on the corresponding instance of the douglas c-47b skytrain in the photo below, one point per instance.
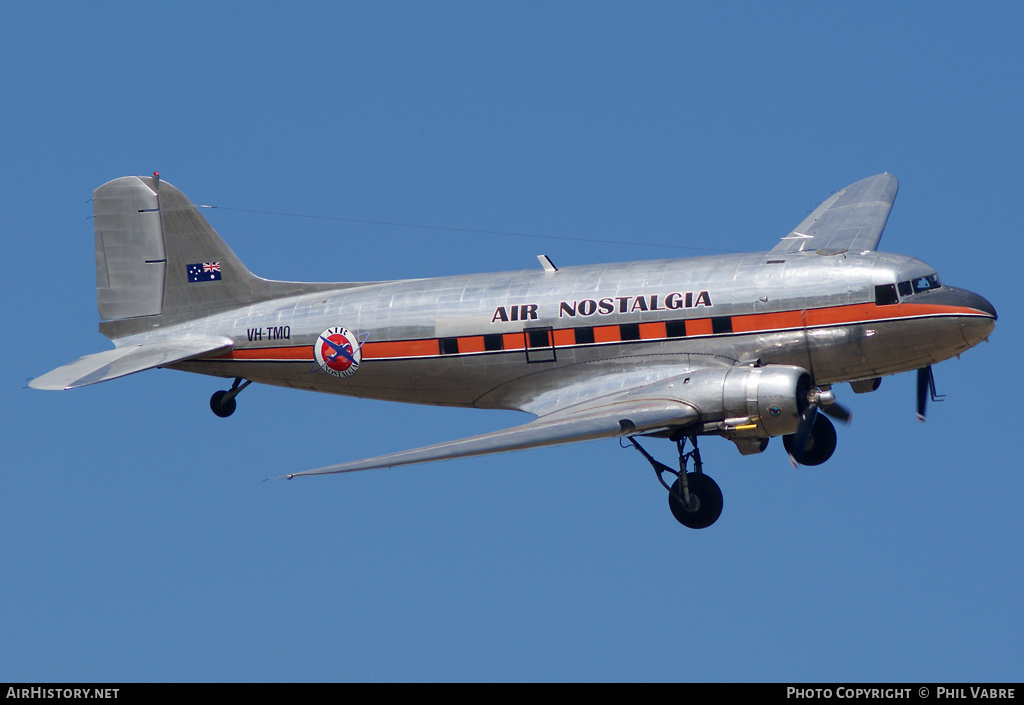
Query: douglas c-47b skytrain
(743, 346)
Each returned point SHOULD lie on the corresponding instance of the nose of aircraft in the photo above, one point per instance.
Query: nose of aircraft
(978, 302)
(974, 328)
(961, 298)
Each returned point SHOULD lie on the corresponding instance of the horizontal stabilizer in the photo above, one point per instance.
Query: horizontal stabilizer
(608, 420)
(110, 364)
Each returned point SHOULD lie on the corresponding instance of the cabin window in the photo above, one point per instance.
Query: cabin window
(449, 346)
(885, 294)
(494, 341)
(539, 337)
(675, 329)
(584, 336)
(629, 331)
(721, 324)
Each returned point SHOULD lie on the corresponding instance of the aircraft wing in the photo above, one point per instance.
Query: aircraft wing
(110, 364)
(850, 219)
(633, 413)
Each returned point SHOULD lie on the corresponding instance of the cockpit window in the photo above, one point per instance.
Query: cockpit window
(926, 283)
(916, 286)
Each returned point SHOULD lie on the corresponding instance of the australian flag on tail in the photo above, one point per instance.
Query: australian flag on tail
(204, 272)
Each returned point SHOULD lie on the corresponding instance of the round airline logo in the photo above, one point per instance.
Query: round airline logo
(337, 352)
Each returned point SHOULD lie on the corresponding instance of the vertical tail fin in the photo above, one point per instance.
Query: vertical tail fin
(158, 261)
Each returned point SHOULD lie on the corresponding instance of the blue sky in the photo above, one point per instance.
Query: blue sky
(139, 542)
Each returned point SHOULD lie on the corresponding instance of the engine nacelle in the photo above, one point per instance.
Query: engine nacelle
(749, 402)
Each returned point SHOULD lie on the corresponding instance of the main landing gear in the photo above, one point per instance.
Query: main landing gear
(222, 403)
(694, 498)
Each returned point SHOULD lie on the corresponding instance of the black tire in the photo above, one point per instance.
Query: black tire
(820, 445)
(705, 498)
(221, 407)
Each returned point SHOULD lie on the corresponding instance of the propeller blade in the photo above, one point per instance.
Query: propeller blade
(803, 433)
(924, 381)
(837, 411)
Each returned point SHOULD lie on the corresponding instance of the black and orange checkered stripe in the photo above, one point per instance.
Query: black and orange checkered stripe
(580, 336)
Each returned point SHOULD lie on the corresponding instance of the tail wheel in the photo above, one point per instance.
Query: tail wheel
(221, 406)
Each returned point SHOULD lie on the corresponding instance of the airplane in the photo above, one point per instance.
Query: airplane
(743, 346)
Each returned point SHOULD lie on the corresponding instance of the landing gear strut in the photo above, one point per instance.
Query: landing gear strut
(222, 403)
(694, 498)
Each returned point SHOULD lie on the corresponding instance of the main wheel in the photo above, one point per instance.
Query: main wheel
(820, 445)
(705, 501)
(221, 407)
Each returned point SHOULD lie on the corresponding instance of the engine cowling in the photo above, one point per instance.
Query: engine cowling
(750, 402)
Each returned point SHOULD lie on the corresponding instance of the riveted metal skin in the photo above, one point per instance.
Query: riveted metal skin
(820, 315)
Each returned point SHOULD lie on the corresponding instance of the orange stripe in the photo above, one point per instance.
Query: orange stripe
(767, 321)
(837, 315)
(513, 341)
(607, 334)
(564, 337)
(933, 309)
(653, 331)
(699, 326)
(302, 352)
(471, 344)
(844, 314)
(863, 313)
(401, 348)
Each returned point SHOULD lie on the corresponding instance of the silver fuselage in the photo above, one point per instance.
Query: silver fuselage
(511, 340)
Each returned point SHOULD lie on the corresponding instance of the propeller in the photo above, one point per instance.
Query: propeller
(925, 386)
(825, 398)
(802, 436)
(817, 399)
(837, 411)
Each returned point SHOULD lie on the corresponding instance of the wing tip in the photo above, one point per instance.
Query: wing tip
(879, 179)
(41, 382)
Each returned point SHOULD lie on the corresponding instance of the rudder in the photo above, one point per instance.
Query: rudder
(130, 260)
